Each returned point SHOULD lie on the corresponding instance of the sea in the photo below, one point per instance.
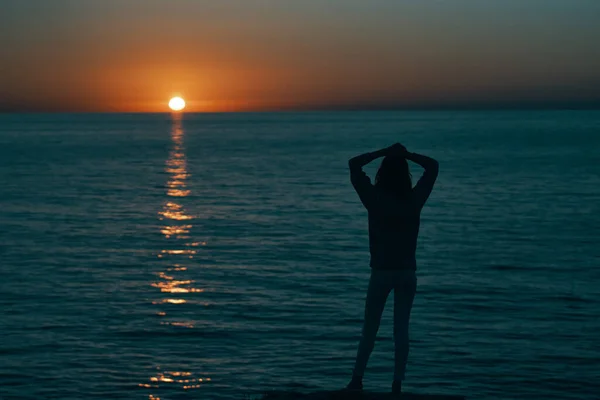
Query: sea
(224, 256)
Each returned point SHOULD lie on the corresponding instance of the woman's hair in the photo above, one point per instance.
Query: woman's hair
(394, 175)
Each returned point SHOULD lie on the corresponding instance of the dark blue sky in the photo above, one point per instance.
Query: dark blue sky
(132, 55)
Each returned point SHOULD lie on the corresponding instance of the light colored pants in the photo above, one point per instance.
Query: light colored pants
(381, 283)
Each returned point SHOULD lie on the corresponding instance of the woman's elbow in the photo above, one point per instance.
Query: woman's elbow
(434, 167)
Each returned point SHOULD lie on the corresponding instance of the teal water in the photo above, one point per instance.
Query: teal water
(215, 256)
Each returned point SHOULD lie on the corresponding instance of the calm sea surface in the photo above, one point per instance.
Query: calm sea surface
(220, 256)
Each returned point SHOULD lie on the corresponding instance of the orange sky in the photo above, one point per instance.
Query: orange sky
(233, 55)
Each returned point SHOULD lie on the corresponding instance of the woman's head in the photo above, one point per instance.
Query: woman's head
(394, 175)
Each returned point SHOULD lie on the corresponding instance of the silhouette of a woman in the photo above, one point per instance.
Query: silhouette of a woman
(394, 209)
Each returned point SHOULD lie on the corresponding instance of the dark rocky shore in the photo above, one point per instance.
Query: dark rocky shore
(346, 395)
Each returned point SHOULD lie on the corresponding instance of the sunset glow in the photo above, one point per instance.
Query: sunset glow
(120, 57)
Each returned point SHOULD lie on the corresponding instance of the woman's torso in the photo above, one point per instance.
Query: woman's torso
(393, 233)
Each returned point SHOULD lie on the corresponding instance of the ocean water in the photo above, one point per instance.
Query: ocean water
(221, 256)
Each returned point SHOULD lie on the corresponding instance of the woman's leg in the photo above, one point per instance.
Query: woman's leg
(377, 293)
(404, 294)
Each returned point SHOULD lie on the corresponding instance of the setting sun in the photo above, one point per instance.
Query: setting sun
(177, 104)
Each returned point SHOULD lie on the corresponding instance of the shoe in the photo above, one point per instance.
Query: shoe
(355, 384)
(397, 387)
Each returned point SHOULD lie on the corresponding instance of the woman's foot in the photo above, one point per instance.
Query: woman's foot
(397, 387)
(355, 383)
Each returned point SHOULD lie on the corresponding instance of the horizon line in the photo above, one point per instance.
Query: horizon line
(594, 105)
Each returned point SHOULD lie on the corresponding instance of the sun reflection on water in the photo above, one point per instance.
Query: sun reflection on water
(174, 211)
(177, 225)
(181, 379)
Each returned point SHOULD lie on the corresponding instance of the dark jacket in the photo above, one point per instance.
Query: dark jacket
(393, 222)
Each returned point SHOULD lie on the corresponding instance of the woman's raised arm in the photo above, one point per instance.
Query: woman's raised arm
(424, 186)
